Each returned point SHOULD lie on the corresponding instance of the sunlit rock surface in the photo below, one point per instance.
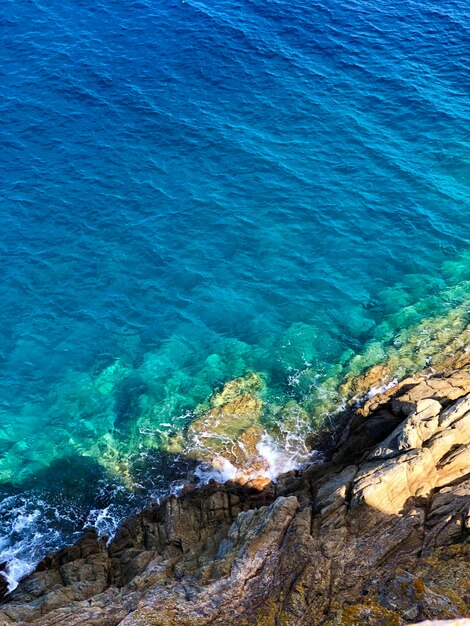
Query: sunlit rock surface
(378, 533)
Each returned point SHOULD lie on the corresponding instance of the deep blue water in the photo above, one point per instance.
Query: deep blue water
(194, 189)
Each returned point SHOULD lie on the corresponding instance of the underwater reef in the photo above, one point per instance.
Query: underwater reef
(375, 531)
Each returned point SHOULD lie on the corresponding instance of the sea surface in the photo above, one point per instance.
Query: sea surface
(195, 189)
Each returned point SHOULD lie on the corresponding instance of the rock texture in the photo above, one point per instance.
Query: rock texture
(447, 622)
(225, 434)
(378, 534)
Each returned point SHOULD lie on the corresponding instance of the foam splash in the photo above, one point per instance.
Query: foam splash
(220, 469)
(15, 571)
(283, 458)
(276, 457)
(32, 526)
(105, 521)
(23, 537)
(374, 391)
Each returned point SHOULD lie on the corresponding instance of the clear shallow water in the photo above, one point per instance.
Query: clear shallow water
(191, 190)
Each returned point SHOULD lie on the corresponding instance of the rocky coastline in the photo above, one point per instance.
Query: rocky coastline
(377, 533)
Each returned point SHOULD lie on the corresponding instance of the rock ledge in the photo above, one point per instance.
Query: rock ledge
(376, 534)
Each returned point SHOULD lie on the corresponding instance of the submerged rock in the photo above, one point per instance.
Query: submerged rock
(226, 435)
(379, 534)
(233, 413)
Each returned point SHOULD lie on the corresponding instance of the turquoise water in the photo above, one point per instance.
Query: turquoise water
(192, 190)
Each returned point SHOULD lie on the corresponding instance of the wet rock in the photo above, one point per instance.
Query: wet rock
(379, 534)
(231, 426)
(373, 378)
(3, 580)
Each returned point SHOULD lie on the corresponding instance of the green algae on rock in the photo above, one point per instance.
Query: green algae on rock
(319, 548)
(228, 427)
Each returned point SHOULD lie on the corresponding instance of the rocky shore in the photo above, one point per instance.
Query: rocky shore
(377, 533)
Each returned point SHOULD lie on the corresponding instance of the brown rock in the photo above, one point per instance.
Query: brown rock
(377, 535)
(231, 427)
(447, 622)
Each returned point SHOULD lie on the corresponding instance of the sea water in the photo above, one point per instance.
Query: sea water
(196, 189)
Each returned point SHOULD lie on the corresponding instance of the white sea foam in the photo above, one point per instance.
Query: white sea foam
(105, 521)
(282, 458)
(16, 570)
(31, 527)
(21, 523)
(373, 391)
(220, 469)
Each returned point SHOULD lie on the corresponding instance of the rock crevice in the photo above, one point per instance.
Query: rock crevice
(378, 533)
